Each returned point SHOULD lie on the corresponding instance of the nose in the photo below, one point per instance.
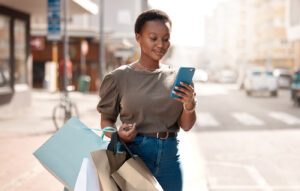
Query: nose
(159, 43)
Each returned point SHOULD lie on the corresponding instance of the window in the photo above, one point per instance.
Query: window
(295, 16)
(20, 74)
(5, 69)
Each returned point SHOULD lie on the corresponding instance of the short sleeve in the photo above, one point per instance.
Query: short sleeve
(109, 104)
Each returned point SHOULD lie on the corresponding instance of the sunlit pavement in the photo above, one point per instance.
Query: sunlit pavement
(22, 135)
(192, 163)
(248, 143)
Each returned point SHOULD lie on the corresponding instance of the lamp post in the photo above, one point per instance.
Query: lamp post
(66, 45)
(101, 40)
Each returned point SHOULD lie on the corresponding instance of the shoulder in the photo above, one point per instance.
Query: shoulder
(118, 72)
(167, 69)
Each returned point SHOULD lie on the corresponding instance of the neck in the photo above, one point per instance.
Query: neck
(148, 63)
(148, 67)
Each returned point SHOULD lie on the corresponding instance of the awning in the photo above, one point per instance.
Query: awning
(39, 7)
(124, 44)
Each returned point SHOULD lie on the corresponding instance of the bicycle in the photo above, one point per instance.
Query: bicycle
(64, 110)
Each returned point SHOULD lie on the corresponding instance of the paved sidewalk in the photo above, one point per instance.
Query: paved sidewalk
(22, 135)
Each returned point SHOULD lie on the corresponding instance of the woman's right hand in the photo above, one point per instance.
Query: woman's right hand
(127, 132)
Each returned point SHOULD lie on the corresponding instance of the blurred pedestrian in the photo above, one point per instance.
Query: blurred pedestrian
(69, 73)
(140, 94)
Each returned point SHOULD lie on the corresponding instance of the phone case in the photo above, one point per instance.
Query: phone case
(185, 74)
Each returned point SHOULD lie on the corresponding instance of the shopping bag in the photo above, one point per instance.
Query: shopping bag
(87, 179)
(102, 165)
(133, 174)
(63, 153)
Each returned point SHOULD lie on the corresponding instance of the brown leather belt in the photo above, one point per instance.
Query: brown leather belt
(159, 135)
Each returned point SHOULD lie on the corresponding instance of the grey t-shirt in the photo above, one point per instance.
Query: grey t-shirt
(141, 97)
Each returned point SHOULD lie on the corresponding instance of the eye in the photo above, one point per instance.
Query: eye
(153, 38)
(166, 39)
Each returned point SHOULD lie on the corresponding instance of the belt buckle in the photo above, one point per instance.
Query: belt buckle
(162, 138)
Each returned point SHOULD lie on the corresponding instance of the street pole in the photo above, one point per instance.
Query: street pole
(66, 46)
(101, 40)
(82, 59)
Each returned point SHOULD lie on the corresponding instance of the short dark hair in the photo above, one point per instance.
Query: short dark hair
(150, 15)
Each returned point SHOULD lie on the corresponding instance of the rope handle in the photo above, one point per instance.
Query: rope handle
(104, 130)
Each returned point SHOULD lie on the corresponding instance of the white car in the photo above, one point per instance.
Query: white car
(227, 76)
(260, 80)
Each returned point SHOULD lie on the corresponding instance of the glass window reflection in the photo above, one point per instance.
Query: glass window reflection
(4, 52)
(20, 52)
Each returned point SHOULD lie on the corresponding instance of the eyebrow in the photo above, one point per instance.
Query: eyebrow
(150, 33)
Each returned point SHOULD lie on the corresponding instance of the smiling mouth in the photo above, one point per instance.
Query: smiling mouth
(160, 53)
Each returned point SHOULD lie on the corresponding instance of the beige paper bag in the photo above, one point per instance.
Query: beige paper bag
(134, 175)
(103, 169)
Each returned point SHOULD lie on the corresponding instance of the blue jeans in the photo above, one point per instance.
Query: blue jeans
(162, 158)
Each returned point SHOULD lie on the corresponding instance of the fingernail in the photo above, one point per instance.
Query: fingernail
(176, 87)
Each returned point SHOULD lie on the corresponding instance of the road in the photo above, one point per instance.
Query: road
(247, 143)
(239, 143)
(28, 129)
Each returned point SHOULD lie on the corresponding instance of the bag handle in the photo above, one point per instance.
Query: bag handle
(108, 130)
(115, 142)
(104, 130)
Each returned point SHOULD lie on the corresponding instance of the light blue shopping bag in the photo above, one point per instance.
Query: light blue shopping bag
(63, 153)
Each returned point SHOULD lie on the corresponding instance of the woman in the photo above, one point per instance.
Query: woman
(140, 94)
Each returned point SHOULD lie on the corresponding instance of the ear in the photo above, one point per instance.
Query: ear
(137, 37)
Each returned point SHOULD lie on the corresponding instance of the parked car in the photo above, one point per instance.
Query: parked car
(227, 76)
(260, 80)
(284, 77)
(295, 88)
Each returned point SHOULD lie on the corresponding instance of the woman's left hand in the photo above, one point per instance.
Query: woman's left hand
(187, 95)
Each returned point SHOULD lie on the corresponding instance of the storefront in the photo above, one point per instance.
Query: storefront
(15, 61)
(17, 19)
(44, 53)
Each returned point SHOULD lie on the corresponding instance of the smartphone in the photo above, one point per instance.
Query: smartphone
(185, 75)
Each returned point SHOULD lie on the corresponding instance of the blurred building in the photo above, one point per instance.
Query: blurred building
(293, 28)
(15, 54)
(119, 18)
(15, 62)
(225, 34)
(25, 48)
(249, 32)
(271, 44)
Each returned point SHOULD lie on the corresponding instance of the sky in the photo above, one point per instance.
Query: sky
(187, 18)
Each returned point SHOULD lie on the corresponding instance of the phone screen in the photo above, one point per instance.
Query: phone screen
(185, 74)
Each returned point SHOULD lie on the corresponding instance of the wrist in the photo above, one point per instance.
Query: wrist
(190, 107)
(108, 130)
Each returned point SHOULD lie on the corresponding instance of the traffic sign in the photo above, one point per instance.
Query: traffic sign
(54, 29)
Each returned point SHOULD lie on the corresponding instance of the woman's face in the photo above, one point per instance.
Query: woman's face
(154, 39)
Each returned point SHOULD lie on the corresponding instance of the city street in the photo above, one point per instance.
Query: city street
(248, 143)
(22, 134)
(239, 143)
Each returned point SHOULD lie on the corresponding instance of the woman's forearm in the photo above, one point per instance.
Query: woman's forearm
(187, 120)
(107, 123)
